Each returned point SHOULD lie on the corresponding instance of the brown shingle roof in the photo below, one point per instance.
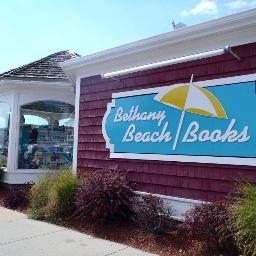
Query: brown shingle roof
(45, 68)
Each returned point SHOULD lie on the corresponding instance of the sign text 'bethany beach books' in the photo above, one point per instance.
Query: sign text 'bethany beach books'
(208, 122)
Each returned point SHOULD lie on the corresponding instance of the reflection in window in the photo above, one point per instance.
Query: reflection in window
(35, 120)
(67, 122)
(4, 133)
(46, 135)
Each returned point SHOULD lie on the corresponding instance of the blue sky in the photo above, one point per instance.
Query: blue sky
(32, 29)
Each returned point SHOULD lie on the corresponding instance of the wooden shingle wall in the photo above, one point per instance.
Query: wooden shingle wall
(188, 180)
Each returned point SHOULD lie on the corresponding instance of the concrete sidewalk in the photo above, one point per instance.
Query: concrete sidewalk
(24, 237)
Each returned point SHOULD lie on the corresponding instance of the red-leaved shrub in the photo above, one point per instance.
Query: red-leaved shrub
(208, 223)
(104, 195)
(17, 197)
(153, 215)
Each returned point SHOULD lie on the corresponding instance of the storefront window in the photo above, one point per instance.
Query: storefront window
(46, 135)
(4, 132)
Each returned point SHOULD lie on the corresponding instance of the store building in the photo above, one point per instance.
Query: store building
(36, 119)
(183, 127)
(176, 111)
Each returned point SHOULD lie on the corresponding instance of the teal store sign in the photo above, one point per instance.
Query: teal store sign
(211, 121)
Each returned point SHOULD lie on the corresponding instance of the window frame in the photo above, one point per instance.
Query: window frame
(40, 170)
(4, 101)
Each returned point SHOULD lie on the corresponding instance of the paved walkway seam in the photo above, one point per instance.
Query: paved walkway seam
(112, 253)
(31, 237)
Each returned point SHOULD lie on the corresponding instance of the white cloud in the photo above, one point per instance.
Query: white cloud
(204, 7)
(240, 4)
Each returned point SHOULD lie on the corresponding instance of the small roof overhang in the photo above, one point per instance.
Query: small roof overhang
(12, 84)
(232, 30)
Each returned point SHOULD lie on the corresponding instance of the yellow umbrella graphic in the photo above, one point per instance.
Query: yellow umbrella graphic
(194, 99)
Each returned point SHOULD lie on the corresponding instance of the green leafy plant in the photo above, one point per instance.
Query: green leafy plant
(53, 197)
(243, 218)
(153, 215)
(62, 193)
(39, 197)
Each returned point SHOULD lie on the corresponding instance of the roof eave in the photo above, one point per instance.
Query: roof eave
(43, 83)
(210, 28)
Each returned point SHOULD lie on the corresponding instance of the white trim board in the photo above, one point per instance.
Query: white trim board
(76, 126)
(242, 161)
(215, 26)
(22, 176)
(178, 204)
(188, 159)
(233, 30)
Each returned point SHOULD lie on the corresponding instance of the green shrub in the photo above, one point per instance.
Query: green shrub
(53, 197)
(39, 197)
(62, 194)
(36, 213)
(243, 219)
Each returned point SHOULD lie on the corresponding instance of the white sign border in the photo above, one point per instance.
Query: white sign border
(246, 161)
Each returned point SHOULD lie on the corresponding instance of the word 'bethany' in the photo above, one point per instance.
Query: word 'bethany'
(135, 115)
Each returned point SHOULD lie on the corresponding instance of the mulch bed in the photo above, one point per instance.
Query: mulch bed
(3, 192)
(129, 234)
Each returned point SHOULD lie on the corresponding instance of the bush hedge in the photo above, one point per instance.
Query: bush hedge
(39, 198)
(1, 175)
(208, 222)
(153, 215)
(17, 197)
(103, 196)
(62, 194)
(243, 218)
(54, 196)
